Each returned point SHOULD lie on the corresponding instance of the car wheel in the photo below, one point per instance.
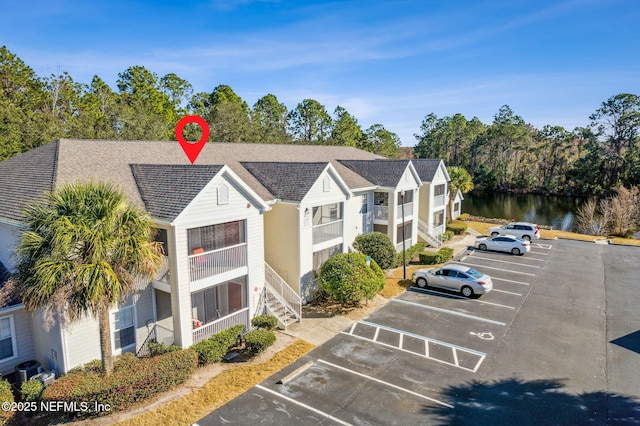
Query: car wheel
(494, 234)
(482, 247)
(526, 238)
(422, 282)
(515, 251)
(467, 291)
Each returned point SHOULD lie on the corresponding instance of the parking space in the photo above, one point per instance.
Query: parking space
(395, 366)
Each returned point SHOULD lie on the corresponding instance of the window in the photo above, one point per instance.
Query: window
(365, 204)
(124, 328)
(456, 207)
(408, 197)
(438, 218)
(327, 213)
(223, 194)
(407, 232)
(219, 300)
(439, 190)
(321, 256)
(208, 238)
(7, 338)
(381, 198)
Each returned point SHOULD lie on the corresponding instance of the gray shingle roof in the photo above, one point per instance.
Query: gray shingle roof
(167, 189)
(287, 181)
(24, 178)
(426, 168)
(380, 172)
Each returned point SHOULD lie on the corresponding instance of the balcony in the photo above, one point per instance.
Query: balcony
(367, 222)
(408, 210)
(327, 232)
(438, 201)
(381, 212)
(218, 261)
(208, 330)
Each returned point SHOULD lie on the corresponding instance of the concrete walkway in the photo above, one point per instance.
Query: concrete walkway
(319, 330)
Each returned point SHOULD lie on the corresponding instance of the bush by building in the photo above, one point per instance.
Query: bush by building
(458, 227)
(265, 321)
(6, 396)
(31, 390)
(411, 252)
(378, 246)
(434, 258)
(257, 341)
(213, 349)
(346, 278)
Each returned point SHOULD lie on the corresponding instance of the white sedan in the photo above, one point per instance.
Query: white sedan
(506, 243)
(463, 279)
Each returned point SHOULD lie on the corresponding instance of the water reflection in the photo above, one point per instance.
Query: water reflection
(558, 212)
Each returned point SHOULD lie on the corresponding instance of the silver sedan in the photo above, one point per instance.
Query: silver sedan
(462, 279)
(506, 243)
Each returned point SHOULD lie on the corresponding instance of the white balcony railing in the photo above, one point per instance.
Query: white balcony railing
(327, 231)
(218, 261)
(438, 201)
(381, 212)
(408, 210)
(164, 272)
(367, 222)
(209, 329)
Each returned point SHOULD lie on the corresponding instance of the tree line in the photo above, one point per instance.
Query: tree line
(36, 110)
(511, 155)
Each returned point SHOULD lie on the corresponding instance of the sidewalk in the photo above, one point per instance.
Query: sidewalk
(319, 330)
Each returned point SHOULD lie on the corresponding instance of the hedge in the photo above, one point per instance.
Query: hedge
(458, 227)
(257, 341)
(31, 390)
(213, 349)
(133, 380)
(266, 321)
(159, 348)
(447, 235)
(411, 253)
(347, 278)
(6, 395)
(433, 258)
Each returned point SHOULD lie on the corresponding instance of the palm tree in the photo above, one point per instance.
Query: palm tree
(81, 251)
(460, 180)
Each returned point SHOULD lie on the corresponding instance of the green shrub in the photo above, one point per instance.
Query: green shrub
(447, 235)
(266, 321)
(347, 278)
(458, 227)
(257, 341)
(31, 390)
(433, 258)
(411, 253)
(159, 348)
(378, 246)
(133, 380)
(6, 395)
(213, 349)
(464, 217)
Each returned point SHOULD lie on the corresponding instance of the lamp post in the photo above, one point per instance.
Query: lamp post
(404, 252)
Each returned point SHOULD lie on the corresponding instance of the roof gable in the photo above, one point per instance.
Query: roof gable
(167, 190)
(286, 181)
(427, 168)
(25, 177)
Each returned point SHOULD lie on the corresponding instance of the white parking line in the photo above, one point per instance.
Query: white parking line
(308, 407)
(455, 296)
(446, 311)
(542, 246)
(386, 383)
(505, 261)
(476, 255)
(509, 281)
(507, 292)
(499, 269)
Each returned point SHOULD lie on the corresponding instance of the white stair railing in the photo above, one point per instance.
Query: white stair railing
(286, 296)
(430, 234)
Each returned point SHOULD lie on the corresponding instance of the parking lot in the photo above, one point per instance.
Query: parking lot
(555, 342)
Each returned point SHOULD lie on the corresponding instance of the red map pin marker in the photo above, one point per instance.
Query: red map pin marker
(192, 149)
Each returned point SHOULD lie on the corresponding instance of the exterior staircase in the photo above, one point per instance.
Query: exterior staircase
(281, 300)
(426, 232)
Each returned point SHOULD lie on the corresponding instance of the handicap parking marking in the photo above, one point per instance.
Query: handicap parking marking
(308, 407)
(391, 385)
(426, 347)
(542, 246)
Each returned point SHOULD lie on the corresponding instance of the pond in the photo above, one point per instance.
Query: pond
(556, 211)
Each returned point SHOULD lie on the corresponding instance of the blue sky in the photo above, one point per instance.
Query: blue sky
(388, 62)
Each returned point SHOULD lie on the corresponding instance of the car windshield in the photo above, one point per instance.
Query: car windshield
(474, 274)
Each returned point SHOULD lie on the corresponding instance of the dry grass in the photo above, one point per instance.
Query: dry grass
(396, 284)
(483, 228)
(220, 390)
